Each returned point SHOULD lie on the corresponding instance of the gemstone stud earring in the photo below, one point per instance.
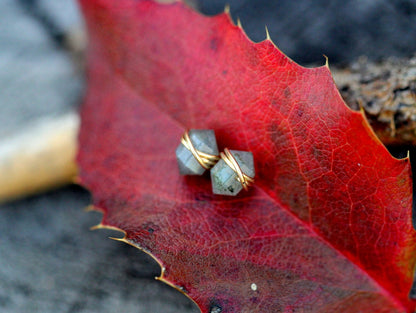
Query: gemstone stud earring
(197, 152)
(234, 172)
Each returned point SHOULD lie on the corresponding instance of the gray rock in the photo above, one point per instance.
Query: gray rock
(37, 78)
(51, 262)
(224, 179)
(342, 30)
(204, 141)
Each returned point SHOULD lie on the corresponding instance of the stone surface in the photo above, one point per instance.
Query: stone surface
(224, 179)
(342, 30)
(37, 78)
(204, 141)
(50, 261)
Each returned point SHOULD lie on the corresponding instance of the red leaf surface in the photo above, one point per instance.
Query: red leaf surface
(327, 226)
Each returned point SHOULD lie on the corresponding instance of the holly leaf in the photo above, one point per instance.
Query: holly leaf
(327, 226)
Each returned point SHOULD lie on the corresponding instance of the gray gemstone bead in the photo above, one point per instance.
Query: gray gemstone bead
(204, 141)
(224, 179)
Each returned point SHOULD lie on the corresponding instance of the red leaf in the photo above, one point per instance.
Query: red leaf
(327, 226)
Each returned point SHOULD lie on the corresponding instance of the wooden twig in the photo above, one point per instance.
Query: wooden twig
(40, 157)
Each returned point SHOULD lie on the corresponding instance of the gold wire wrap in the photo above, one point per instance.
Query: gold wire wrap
(206, 160)
(246, 181)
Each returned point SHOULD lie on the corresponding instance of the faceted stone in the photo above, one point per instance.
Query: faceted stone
(224, 179)
(203, 140)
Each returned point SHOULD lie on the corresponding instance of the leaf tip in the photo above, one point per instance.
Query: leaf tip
(102, 226)
(227, 9)
(123, 239)
(326, 61)
(267, 33)
(162, 274)
(98, 226)
(239, 23)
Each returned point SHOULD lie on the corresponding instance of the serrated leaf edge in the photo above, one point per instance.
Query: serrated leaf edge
(161, 277)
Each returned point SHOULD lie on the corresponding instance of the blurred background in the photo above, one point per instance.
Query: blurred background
(49, 259)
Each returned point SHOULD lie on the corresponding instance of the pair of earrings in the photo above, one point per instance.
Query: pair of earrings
(231, 170)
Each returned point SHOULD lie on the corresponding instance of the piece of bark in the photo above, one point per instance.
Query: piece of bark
(386, 91)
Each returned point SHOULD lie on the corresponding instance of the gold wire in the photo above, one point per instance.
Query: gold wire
(205, 159)
(228, 158)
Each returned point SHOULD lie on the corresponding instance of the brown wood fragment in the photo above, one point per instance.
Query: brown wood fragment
(386, 91)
